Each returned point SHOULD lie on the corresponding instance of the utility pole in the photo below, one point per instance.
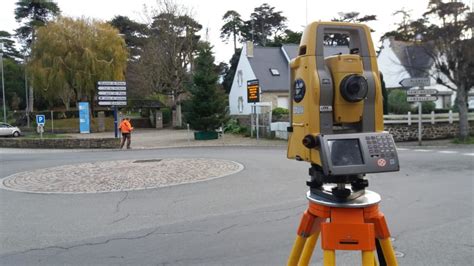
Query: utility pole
(3, 86)
(27, 110)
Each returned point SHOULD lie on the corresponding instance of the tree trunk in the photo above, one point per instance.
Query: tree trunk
(461, 101)
(235, 43)
(30, 99)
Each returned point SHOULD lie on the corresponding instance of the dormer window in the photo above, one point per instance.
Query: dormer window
(274, 72)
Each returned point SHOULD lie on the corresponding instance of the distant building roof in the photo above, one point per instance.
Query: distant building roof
(414, 58)
(267, 61)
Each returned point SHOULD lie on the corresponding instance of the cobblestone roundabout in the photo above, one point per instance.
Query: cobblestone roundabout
(124, 175)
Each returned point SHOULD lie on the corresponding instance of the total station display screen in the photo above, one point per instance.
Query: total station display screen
(345, 152)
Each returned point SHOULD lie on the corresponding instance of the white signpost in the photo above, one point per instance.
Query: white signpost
(419, 95)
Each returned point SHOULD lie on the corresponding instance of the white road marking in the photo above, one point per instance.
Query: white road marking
(448, 152)
(402, 149)
(468, 154)
(421, 150)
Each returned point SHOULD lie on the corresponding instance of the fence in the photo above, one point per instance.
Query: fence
(432, 118)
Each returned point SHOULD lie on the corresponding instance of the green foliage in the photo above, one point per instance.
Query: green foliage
(232, 25)
(278, 112)
(71, 55)
(135, 34)
(427, 107)
(232, 126)
(354, 17)
(293, 37)
(229, 73)
(9, 49)
(14, 78)
(264, 23)
(167, 53)
(469, 140)
(167, 115)
(206, 109)
(397, 102)
(33, 14)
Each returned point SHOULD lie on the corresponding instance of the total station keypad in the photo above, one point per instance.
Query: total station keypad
(381, 146)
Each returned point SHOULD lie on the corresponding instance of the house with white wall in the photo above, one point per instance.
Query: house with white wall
(270, 65)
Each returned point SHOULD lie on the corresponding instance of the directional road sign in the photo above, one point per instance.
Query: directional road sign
(422, 92)
(422, 98)
(112, 103)
(112, 93)
(415, 82)
(40, 120)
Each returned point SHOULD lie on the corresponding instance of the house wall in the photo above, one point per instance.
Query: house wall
(390, 66)
(273, 98)
(239, 86)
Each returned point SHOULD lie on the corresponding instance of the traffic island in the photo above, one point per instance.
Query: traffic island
(61, 143)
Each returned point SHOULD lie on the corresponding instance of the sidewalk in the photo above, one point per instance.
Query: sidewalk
(167, 138)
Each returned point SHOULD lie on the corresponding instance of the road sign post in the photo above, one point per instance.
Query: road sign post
(420, 95)
(253, 96)
(114, 94)
(40, 121)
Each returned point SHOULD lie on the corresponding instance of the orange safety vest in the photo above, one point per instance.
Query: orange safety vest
(125, 127)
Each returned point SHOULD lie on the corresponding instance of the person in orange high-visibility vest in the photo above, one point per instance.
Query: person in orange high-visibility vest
(126, 128)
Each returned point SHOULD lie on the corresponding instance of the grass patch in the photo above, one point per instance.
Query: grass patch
(470, 140)
(73, 123)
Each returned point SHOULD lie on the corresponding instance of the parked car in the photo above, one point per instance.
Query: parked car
(9, 130)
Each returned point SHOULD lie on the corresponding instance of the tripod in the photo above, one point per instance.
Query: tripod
(356, 224)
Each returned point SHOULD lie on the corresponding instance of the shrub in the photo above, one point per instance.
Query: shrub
(397, 102)
(166, 115)
(233, 126)
(427, 107)
(278, 112)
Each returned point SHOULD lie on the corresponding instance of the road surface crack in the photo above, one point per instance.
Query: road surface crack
(107, 241)
(226, 228)
(120, 219)
(117, 206)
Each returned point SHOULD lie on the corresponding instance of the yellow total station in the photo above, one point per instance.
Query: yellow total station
(335, 87)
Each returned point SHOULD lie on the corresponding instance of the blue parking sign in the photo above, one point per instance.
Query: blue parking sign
(40, 120)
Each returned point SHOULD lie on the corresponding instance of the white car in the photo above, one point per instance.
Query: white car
(9, 130)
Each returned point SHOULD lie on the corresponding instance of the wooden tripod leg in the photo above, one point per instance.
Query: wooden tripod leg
(329, 257)
(388, 252)
(296, 250)
(311, 242)
(304, 231)
(368, 258)
(383, 238)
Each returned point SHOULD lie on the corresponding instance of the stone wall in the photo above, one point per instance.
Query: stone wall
(440, 130)
(96, 143)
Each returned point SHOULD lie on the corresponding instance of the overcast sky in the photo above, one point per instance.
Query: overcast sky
(209, 13)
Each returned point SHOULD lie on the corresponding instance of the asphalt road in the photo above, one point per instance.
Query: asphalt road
(248, 218)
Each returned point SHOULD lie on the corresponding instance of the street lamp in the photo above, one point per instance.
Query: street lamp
(3, 85)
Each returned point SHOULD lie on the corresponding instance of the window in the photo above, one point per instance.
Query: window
(274, 72)
(240, 104)
(240, 78)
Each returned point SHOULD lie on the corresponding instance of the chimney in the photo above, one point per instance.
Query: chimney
(249, 49)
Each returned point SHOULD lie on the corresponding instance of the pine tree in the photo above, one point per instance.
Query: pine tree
(206, 109)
